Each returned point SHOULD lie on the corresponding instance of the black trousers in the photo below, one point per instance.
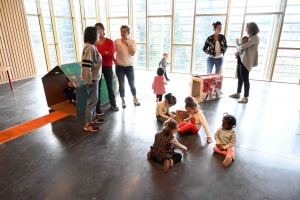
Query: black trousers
(108, 75)
(176, 157)
(165, 74)
(243, 78)
(159, 97)
(69, 91)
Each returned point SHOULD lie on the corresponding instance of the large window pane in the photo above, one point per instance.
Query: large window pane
(30, 6)
(140, 56)
(117, 8)
(61, 7)
(52, 56)
(235, 23)
(78, 22)
(89, 8)
(182, 59)
(65, 38)
(287, 67)
(159, 31)
(266, 24)
(37, 44)
(160, 7)
(184, 17)
(47, 21)
(259, 6)
(102, 12)
(90, 22)
(115, 25)
(290, 36)
(229, 63)
(203, 29)
(211, 6)
(139, 8)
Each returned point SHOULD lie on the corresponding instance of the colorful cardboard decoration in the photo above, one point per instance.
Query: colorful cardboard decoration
(181, 115)
(55, 81)
(206, 87)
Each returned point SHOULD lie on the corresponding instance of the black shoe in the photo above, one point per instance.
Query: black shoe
(115, 108)
(168, 79)
(99, 113)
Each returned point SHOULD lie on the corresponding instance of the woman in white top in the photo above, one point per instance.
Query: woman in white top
(215, 46)
(125, 49)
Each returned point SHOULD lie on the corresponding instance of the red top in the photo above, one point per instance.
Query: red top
(108, 45)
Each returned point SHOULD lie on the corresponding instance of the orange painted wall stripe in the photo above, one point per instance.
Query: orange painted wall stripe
(20, 129)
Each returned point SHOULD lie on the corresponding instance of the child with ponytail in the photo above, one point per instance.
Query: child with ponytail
(195, 120)
(162, 150)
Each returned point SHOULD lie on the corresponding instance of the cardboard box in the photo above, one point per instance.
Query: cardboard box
(206, 87)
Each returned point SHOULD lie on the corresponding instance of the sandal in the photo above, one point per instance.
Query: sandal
(243, 100)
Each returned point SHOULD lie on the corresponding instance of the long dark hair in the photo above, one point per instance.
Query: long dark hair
(169, 126)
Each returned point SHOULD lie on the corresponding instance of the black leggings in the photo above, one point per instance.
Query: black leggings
(159, 97)
(176, 157)
(243, 78)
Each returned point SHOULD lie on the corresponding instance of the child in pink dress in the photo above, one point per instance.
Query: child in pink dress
(158, 84)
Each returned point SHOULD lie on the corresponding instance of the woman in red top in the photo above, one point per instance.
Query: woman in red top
(105, 47)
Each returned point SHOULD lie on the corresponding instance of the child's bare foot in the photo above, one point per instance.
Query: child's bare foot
(208, 140)
(167, 164)
(172, 163)
(227, 161)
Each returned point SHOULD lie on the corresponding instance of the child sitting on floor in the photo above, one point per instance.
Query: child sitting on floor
(226, 139)
(162, 150)
(162, 108)
(195, 120)
(70, 91)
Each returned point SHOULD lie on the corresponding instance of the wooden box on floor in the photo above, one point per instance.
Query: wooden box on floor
(206, 87)
(55, 81)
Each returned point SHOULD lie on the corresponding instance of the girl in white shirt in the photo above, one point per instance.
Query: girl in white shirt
(195, 120)
(162, 108)
(226, 139)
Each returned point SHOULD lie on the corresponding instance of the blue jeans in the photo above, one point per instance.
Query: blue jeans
(92, 99)
(129, 72)
(210, 62)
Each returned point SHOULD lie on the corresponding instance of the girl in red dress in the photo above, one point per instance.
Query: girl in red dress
(158, 84)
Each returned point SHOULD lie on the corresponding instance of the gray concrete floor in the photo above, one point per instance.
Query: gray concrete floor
(62, 161)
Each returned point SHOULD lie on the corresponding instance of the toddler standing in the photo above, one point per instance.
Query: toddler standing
(163, 63)
(158, 84)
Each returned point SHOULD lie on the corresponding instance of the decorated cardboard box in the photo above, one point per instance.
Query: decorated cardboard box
(181, 114)
(206, 87)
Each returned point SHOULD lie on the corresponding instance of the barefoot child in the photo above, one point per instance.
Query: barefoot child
(195, 120)
(226, 139)
(162, 150)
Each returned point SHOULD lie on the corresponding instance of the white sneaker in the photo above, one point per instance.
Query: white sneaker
(123, 104)
(136, 102)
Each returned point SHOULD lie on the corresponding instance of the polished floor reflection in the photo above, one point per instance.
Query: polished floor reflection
(62, 161)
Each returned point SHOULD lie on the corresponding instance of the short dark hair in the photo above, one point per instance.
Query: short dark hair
(191, 102)
(216, 24)
(252, 28)
(91, 34)
(160, 71)
(127, 28)
(170, 99)
(230, 119)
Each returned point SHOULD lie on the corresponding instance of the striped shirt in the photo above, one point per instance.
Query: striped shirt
(91, 64)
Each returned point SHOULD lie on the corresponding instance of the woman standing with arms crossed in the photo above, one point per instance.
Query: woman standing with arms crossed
(247, 60)
(215, 46)
(125, 49)
(105, 47)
